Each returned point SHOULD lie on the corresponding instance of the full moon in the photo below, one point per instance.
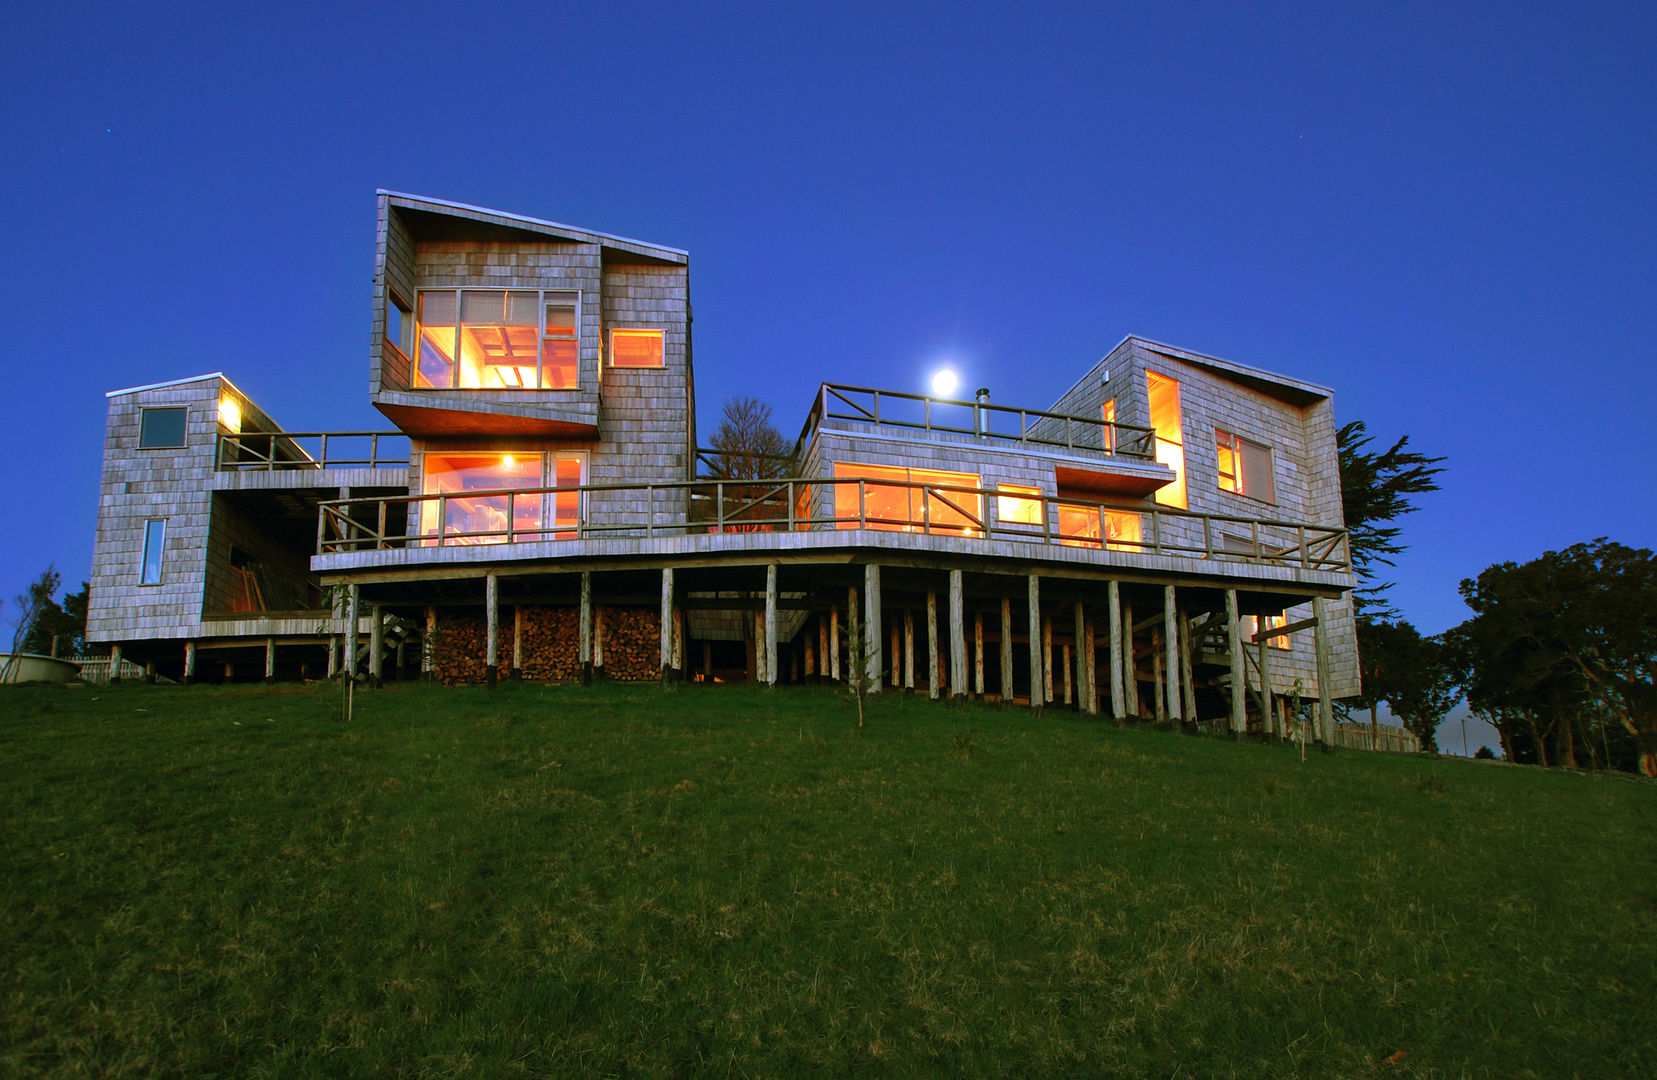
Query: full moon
(944, 383)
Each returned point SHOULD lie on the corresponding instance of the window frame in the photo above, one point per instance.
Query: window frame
(541, 337)
(1239, 476)
(434, 531)
(144, 413)
(610, 347)
(154, 529)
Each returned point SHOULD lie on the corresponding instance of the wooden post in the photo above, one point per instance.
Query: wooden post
(351, 632)
(1084, 695)
(932, 645)
(1188, 686)
(1239, 675)
(428, 647)
(584, 631)
(707, 661)
(1007, 649)
(492, 632)
(1320, 644)
(1268, 714)
(1170, 644)
(598, 640)
(149, 671)
(822, 646)
(1091, 666)
(517, 641)
(957, 637)
(1064, 666)
(115, 662)
(757, 670)
(771, 624)
(1118, 704)
(1046, 659)
(679, 642)
(1158, 681)
(834, 640)
(270, 659)
(978, 654)
(810, 658)
(376, 647)
(1130, 664)
(895, 671)
(871, 628)
(664, 625)
(333, 655)
(189, 662)
(908, 650)
(1035, 643)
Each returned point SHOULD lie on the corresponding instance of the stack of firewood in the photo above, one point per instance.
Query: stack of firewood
(632, 647)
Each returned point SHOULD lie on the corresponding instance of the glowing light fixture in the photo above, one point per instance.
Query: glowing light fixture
(230, 415)
(508, 460)
(944, 383)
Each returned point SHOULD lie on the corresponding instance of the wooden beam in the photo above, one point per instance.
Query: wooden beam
(871, 628)
(1007, 649)
(1130, 663)
(189, 661)
(978, 654)
(1326, 706)
(895, 669)
(1047, 660)
(584, 630)
(834, 640)
(1034, 602)
(491, 652)
(351, 631)
(908, 649)
(771, 625)
(957, 638)
(1268, 715)
(428, 646)
(932, 645)
(664, 624)
(376, 647)
(1188, 686)
(1118, 704)
(1064, 667)
(517, 641)
(270, 660)
(1239, 674)
(1092, 666)
(1079, 635)
(1170, 643)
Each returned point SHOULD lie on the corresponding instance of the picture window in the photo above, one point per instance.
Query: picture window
(162, 428)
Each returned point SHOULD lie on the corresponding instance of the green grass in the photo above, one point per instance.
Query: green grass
(716, 881)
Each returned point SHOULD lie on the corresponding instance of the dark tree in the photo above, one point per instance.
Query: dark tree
(1376, 490)
(30, 603)
(1416, 676)
(66, 622)
(747, 444)
(1561, 655)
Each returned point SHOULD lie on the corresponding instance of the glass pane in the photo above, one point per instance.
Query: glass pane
(435, 340)
(1172, 454)
(1079, 525)
(482, 519)
(161, 427)
(561, 314)
(1257, 471)
(559, 367)
(520, 309)
(1016, 511)
(479, 308)
(155, 540)
(636, 348)
(1122, 531)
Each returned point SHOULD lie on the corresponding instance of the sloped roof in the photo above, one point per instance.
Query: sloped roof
(1294, 391)
(175, 382)
(437, 219)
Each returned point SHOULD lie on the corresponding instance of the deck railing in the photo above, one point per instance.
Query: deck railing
(704, 507)
(980, 420)
(269, 451)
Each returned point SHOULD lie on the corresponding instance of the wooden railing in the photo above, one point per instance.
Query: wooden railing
(267, 451)
(703, 507)
(980, 420)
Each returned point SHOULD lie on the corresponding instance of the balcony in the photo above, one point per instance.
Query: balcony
(818, 514)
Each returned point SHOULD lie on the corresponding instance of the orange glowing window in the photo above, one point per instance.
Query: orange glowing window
(1110, 426)
(1170, 436)
(495, 339)
(1245, 467)
(474, 510)
(1018, 505)
(1256, 623)
(1079, 526)
(907, 500)
(636, 348)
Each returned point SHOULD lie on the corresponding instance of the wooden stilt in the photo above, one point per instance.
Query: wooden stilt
(822, 645)
(270, 659)
(189, 662)
(1239, 675)
(376, 649)
(1007, 649)
(491, 601)
(1118, 703)
(1188, 686)
(908, 650)
(1170, 644)
(1046, 659)
(584, 631)
(1064, 666)
(1159, 661)
(895, 668)
(1130, 664)
(1326, 705)
(598, 640)
(428, 647)
(771, 625)
(1089, 664)
(664, 624)
(1036, 689)
(871, 630)
(351, 632)
(834, 640)
(957, 637)
(932, 645)
(978, 654)
(115, 663)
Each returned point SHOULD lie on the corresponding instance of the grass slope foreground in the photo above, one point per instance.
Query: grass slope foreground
(623, 881)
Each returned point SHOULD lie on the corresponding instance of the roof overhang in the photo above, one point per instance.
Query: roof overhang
(438, 219)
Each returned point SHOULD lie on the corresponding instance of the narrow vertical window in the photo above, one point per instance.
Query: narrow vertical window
(560, 341)
(1170, 436)
(1110, 426)
(399, 323)
(155, 540)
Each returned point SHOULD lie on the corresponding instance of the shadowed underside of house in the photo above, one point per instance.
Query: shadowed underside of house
(1165, 540)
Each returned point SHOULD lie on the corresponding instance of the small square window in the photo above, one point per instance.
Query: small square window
(1245, 467)
(162, 428)
(155, 541)
(636, 348)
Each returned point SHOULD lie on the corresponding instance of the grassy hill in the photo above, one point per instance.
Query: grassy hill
(711, 881)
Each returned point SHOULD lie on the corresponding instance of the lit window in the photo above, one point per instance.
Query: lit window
(493, 339)
(399, 323)
(1109, 429)
(161, 428)
(1018, 505)
(469, 518)
(1245, 467)
(155, 541)
(636, 348)
(1270, 622)
(1079, 527)
(1170, 436)
(895, 505)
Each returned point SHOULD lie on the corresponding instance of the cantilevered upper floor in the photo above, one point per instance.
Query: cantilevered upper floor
(488, 323)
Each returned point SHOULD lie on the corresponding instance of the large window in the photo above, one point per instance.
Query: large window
(1016, 504)
(1256, 623)
(468, 516)
(886, 505)
(1245, 467)
(161, 428)
(1170, 436)
(636, 348)
(1079, 526)
(491, 339)
(155, 543)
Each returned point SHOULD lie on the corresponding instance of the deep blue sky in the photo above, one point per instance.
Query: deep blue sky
(1445, 212)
